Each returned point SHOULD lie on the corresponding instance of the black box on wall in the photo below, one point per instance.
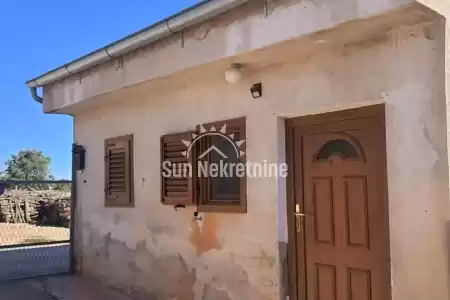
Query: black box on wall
(79, 157)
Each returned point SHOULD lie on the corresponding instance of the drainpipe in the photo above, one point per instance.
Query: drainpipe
(35, 95)
(201, 12)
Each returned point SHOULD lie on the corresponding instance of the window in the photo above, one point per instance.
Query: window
(338, 147)
(222, 193)
(224, 189)
(217, 144)
(119, 171)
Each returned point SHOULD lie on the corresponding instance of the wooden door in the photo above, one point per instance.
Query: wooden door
(339, 215)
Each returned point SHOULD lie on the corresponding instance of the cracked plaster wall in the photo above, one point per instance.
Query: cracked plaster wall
(153, 252)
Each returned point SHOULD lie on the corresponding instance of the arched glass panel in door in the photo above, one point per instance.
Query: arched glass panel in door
(338, 147)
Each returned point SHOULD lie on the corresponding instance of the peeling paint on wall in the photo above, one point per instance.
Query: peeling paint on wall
(209, 292)
(204, 237)
(264, 259)
(152, 252)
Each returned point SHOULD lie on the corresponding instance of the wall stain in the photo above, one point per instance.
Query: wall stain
(140, 246)
(139, 294)
(162, 230)
(205, 239)
(211, 293)
(368, 42)
(429, 33)
(134, 267)
(188, 279)
(137, 272)
(142, 275)
(116, 219)
(104, 250)
(265, 259)
(429, 139)
(284, 269)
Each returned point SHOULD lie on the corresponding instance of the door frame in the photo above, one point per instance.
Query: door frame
(296, 247)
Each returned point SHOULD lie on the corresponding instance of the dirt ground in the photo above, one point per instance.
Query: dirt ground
(11, 234)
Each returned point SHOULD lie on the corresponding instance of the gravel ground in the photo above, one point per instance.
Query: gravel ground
(11, 234)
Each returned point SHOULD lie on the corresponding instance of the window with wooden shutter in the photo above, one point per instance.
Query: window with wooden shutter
(178, 184)
(119, 171)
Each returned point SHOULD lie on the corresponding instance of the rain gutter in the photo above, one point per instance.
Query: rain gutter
(201, 12)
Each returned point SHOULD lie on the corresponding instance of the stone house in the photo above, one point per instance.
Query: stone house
(351, 96)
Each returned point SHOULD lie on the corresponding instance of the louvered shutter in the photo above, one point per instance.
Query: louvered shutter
(178, 190)
(119, 171)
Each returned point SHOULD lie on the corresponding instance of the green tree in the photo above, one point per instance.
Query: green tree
(29, 164)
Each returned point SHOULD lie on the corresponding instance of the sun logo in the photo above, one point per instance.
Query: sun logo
(213, 132)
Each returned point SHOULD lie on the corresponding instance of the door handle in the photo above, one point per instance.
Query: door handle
(303, 215)
(298, 223)
(298, 217)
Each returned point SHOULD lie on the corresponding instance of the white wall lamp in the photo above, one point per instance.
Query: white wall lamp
(233, 74)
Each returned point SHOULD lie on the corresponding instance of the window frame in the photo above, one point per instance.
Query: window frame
(204, 183)
(108, 202)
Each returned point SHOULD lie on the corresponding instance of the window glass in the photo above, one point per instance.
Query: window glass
(224, 188)
(339, 147)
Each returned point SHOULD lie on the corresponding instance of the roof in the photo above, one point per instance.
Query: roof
(196, 14)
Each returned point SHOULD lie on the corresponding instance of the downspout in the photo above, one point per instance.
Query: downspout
(201, 12)
(35, 95)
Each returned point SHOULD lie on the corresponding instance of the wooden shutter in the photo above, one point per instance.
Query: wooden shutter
(178, 190)
(119, 171)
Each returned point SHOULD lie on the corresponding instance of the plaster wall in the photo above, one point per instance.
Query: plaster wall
(153, 251)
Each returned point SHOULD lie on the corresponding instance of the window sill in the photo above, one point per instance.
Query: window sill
(232, 209)
(119, 205)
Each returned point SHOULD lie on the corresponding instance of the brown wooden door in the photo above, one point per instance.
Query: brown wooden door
(340, 210)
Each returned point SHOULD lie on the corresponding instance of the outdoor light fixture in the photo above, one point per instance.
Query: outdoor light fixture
(256, 90)
(233, 74)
